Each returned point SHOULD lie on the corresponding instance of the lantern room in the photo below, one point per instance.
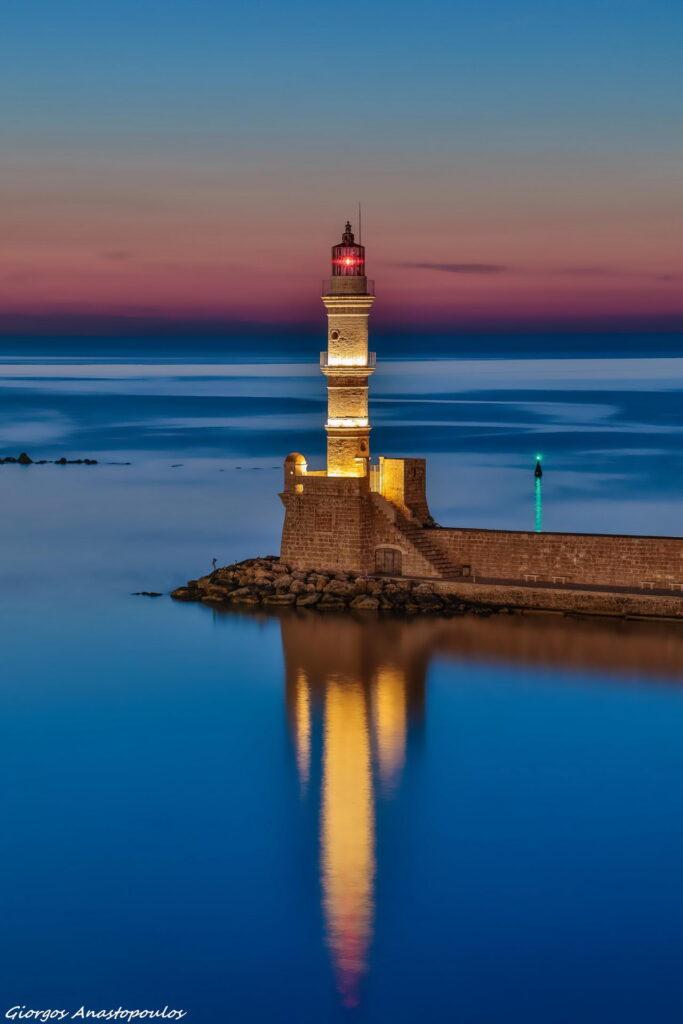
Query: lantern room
(348, 258)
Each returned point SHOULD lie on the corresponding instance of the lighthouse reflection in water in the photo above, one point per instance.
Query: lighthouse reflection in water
(351, 703)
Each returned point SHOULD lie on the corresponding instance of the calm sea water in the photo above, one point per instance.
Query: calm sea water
(298, 818)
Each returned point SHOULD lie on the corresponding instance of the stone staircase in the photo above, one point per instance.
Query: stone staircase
(419, 537)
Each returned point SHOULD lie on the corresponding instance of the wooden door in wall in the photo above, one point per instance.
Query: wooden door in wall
(388, 561)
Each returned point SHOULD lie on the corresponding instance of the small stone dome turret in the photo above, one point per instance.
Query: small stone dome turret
(295, 465)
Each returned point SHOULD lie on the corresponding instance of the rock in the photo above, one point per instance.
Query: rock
(60, 462)
(340, 588)
(24, 459)
(330, 602)
(283, 581)
(267, 581)
(423, 589)
(280, 599)
(146, 593)
(245, 595)
(214, 593)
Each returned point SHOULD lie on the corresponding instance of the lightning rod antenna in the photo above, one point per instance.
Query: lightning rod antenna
(360, 227)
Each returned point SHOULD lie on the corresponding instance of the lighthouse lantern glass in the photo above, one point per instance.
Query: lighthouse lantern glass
(348, 258)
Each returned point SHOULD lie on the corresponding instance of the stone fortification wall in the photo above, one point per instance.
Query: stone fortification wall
(603, 559)
(327, 522)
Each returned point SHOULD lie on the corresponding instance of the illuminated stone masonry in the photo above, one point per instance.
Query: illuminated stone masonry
(360, 517)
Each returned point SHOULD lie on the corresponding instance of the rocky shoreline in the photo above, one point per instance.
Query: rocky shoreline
(270, 582)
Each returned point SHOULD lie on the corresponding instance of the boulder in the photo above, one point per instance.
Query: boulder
(309, 599)
(24, 459)
(423, 590)
(283, 581)
(214, 593)
(340, 588)
(330, 602)
(185, 594)
(245, 595)
(297, 587)
(281, 599)
(366, 603)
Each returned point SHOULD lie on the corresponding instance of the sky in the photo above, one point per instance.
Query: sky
(171, 163)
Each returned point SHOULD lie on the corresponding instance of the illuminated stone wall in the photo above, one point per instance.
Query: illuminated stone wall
(327, 523)
(403, 481)
(347, 452)
(347, 328)
(347, 397)
(601, 559)
(348, 430)
(336, 523)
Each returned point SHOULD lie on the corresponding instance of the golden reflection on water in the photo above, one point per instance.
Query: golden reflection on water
(390, 719)
(347, 832)
(303, 728)
(350, 695)
(355, 691)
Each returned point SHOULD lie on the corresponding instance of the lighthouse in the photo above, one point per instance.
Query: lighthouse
(352, 516)
(347, 363)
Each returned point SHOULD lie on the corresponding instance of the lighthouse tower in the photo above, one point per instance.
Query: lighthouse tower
(350, 516)
(347, 364)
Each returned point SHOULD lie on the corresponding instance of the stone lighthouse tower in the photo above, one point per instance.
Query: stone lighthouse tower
(347, 364)
(351, 516)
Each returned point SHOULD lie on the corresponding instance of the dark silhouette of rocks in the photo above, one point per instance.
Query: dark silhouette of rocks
(147, 593)
(26, 460)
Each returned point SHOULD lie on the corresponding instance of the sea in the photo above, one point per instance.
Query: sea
(312, 818)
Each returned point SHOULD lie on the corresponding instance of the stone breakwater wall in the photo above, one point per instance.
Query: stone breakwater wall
(600, 559)
(271, 582)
